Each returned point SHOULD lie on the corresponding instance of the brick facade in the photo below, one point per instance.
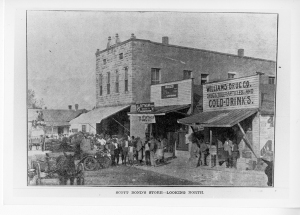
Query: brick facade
(142, 55)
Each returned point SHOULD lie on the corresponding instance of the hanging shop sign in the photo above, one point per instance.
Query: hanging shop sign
(231, 94)
(145, 107)
(147, 118)
(169, 91)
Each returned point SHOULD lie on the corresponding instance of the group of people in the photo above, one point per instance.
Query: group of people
(231, 153)
(133, 149)
(201, 150)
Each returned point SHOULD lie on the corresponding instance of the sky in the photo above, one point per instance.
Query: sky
(61, 45)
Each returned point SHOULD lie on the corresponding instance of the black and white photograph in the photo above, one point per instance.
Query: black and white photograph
(165, 107)
(131, 98)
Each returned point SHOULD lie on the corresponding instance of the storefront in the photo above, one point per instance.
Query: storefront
(236, 109)
(104, 120)
(169, 102)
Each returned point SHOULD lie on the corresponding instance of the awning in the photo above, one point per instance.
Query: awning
(163, 110)
(224, 118)
(97, 115)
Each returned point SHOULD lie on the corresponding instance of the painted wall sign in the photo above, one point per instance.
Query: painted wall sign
(169, 91)
(183, 96)
(231, 94)
(147, 118)
(145, 107)
(266, 134)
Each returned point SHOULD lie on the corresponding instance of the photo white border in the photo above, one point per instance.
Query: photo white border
(15, 102)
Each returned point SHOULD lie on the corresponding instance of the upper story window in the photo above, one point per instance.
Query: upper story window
(117, 82)
(187, 74)
(231, 75)
(100, 84)
(121, 56)
(155, 76)
(108, 83)
(104, 61)
(126, 79)
(271, 80)
(204, 78)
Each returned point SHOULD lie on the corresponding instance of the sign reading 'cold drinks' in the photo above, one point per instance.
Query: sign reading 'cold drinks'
(231, 94)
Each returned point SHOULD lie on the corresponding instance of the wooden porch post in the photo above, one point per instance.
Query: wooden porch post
(246, 140)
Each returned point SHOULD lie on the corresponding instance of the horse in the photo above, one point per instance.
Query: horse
(66, 169)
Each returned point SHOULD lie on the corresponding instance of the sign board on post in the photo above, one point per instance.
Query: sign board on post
(145, 107)
(147, 118)
(231, 94)
(169, 91)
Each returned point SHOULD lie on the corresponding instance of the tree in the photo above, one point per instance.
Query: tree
(32, 101)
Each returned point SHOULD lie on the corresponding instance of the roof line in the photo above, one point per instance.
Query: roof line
(182, 47)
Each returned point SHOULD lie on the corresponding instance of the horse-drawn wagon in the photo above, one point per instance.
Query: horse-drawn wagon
(55, 169)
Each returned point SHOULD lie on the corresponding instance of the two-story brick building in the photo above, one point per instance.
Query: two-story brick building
(126, 71)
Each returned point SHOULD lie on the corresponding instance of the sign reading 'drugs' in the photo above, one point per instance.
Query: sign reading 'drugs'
(231, 94)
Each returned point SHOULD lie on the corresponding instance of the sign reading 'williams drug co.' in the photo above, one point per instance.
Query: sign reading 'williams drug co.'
(231, 94)
(169, 91)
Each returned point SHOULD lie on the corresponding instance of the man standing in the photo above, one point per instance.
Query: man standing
(213, 154)
(124, 149)
(235, 154)
(203, 150)
(139, 149)
(152, 151)
(228, 152)
(147, 152)
(111, 147)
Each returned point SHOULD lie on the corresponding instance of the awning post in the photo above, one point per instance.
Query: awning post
(246, 140)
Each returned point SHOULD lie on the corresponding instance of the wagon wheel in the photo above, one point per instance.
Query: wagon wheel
(106, 162)
(90, 163)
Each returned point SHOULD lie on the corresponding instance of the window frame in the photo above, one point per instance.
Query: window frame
(189, 76)
(101, 84)
(108, 83)
(206, 78)
(126, 79)
(229, 74)
(83, 126)
(157, 79)
(117, 82)
(271, 78)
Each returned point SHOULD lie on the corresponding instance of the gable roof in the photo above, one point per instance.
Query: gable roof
(54, 117)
